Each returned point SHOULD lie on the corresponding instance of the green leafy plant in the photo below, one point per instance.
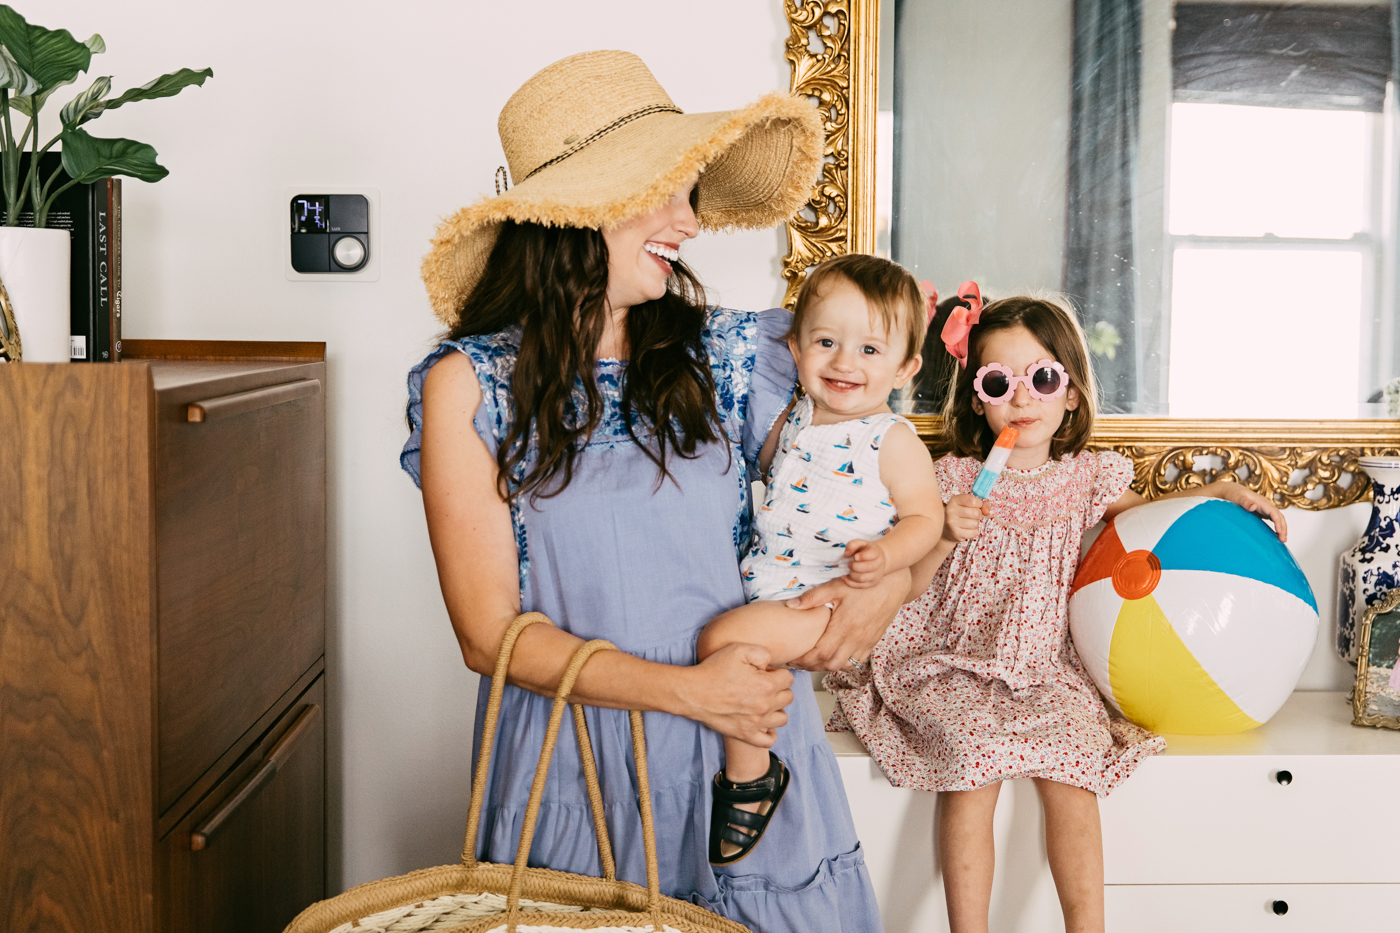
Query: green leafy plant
(1104, 339)
(35, 62)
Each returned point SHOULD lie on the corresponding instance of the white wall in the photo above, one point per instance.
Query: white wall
(402, 97)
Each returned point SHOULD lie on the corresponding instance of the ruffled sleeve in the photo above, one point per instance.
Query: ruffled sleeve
(492, 416)
(1113, 478)
(954, 475)
(773, 381)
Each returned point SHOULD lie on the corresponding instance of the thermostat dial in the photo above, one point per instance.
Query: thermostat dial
(348, 252)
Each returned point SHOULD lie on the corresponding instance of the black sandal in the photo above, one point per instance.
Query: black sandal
(725, 818)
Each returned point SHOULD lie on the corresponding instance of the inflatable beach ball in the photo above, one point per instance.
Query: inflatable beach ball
(1192, 617)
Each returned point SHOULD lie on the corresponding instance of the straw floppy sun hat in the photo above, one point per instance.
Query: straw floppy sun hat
(593, 140)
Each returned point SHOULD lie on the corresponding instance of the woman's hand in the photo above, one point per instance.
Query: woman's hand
(962, 518)
(734, 693)
(867, 566)
(1248, 499)
(858, 618)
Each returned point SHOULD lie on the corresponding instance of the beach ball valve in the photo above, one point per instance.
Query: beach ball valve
(1192, 618)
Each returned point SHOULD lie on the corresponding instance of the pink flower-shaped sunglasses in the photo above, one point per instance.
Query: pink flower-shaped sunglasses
(995, 383)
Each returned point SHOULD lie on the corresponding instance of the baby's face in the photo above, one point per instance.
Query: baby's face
(846, 361)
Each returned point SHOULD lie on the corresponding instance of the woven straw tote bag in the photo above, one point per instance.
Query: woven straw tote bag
(477, 897)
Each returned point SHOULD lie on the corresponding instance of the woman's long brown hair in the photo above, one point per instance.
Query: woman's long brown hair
(553, 282)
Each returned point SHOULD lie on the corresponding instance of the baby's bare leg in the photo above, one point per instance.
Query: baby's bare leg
(787, 634)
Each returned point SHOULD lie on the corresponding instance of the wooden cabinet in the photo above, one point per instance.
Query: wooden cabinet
(162, 639)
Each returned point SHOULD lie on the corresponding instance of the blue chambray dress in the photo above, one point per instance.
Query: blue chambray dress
(616, 556)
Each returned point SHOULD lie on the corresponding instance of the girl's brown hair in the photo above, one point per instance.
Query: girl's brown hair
(553, 282)
(1057, 330)
(889, 289)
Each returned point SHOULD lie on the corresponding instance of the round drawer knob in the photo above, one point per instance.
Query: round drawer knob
(349, 252)
(1283, 777)
(1279, 907)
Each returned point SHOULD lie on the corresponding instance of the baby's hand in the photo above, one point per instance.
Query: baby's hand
(962, 518)
(867, 564)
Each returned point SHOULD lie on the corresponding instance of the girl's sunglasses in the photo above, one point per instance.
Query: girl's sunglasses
(1045, 380)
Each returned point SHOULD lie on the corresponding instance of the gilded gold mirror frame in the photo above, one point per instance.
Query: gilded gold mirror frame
(833, 47)
(1361, 695)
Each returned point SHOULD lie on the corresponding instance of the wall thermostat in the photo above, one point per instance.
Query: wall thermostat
(330, 232)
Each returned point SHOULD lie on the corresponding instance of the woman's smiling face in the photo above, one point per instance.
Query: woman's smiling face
(641, 250)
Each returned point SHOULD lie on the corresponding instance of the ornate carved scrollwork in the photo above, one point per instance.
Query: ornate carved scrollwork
(1307, 477)
(821, 49)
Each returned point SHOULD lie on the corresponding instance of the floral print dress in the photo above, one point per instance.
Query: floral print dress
(977, 681)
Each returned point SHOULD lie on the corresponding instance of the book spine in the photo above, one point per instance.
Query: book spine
(101, 269)
(116, 266)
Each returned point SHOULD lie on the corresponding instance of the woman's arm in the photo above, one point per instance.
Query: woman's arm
(1231, 492)
(469, 525)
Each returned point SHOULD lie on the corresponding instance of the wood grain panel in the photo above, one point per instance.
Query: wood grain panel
(241, 544)
(76, 695)
(267, 860)
(236, 350)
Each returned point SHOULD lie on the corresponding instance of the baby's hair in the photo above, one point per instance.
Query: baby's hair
(1055, 327)
(889, 289)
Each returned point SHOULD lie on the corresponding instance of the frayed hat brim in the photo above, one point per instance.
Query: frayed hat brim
(757, 167)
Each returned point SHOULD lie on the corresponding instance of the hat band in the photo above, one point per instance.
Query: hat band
(624, 119)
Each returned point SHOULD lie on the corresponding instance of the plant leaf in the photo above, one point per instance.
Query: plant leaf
(95, 44)
(52, 56)
(88, 158)
(14, 77)
(87, 105)
(165, 86)
(26, 105)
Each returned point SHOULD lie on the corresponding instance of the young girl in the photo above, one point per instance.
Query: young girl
(841, 471)
(977, 681)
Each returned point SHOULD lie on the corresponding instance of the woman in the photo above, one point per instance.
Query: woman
(584, 440)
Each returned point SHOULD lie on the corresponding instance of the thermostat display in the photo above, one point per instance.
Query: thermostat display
(330, 232)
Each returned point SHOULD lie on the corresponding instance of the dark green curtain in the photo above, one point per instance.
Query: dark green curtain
(1099, 274)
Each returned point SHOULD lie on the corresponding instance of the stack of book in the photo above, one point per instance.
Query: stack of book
(92, 214)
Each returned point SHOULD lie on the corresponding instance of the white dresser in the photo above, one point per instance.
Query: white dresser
(1294, 826)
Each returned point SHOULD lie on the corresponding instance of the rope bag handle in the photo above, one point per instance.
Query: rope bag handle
(561, 696)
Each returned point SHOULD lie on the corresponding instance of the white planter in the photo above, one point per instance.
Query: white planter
(34, 265)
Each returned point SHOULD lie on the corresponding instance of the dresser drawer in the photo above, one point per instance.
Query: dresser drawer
(1187, 820)
(240, 527)
(1246, 908)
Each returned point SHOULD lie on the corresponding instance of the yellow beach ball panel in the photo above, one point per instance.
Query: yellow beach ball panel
(1157, 682)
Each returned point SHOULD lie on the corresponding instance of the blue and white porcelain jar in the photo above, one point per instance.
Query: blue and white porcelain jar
(1372, 566)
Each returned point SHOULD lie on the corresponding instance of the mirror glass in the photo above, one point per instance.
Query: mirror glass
(1212, 185)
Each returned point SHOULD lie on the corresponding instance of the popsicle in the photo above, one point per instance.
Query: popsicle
(996, 462)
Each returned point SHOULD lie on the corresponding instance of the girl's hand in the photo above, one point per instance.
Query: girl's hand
(734, 693)
(962, 518)
(1247, 498)
(867, 566)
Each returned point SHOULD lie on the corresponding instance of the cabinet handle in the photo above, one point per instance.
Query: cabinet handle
(226, 406)
(265, 772)
(1285, 778)
(1279, 907)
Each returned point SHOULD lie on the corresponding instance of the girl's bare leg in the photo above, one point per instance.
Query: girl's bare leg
(967, 854)
(1074, 845)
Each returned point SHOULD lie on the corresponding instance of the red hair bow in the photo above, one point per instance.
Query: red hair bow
(961, 320)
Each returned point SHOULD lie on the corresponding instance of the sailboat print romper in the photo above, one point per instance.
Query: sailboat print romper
(824, 491)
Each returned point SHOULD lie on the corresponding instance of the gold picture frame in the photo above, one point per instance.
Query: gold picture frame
(833, 47)
(1371, 680)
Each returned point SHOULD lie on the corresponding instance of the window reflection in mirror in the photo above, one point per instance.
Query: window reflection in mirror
(1212, 184)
